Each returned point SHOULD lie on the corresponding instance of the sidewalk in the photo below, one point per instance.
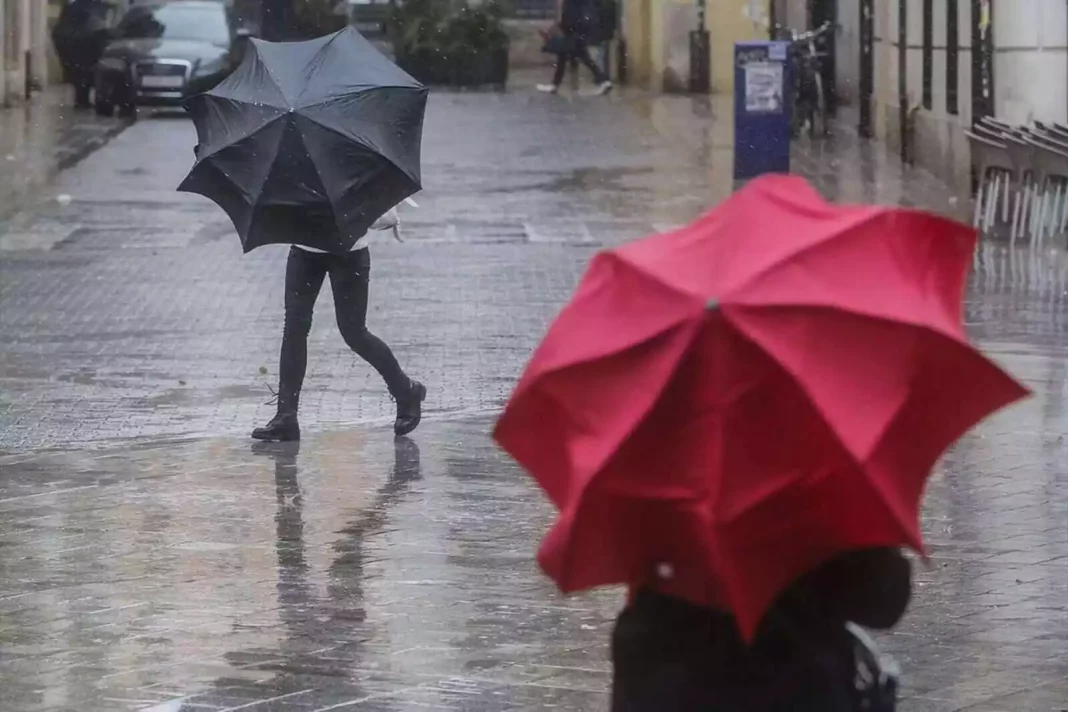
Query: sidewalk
(359, 574)
(41, 138)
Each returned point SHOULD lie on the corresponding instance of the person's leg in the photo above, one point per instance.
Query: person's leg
(305, 272)
(558, 75)
(561, 67)
(350, 276)
(582, 53)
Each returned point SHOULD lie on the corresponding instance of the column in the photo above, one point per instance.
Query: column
(731, 21)
(3, 53)
(39, 43)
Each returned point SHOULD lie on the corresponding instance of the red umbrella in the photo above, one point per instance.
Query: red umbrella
(722, 408)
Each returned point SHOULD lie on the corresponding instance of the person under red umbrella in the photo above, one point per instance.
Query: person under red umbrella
(737, 420)
(670, 654)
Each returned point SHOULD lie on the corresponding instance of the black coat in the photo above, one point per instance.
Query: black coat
(670, 655)
(81, 33)
(579, 19)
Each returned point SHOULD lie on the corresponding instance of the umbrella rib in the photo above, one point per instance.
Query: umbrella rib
(277, 84)
(315, 165)
(848, 232)
(852, 311)
(316, 61)
(242, 137)
(349, 138)
(854, 458)
(367, 90)
(267, 175)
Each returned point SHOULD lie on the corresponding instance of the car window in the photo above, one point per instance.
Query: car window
(177, 21)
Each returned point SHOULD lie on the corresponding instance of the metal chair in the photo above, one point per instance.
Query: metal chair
(996, 172)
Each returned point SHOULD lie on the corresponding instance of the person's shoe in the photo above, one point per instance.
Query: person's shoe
(603, 88)
(282, 428)
(548, 88)
(409, 409)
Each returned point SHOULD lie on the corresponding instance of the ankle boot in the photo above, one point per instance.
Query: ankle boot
(283, 427)
(409, 408)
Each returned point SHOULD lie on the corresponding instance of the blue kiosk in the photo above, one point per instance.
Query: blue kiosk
(761, 109)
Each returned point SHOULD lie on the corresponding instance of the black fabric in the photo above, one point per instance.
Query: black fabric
(328, 124)
(349, 280)
(607, 20)
(579, 18)
(580, 52)
(559, 44)
(80, 35)
(670, 655)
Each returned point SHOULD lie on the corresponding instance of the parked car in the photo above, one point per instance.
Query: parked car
(165, 51)
(80, 35)
(369, 17)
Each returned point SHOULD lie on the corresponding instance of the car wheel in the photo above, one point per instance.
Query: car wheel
(128, 109)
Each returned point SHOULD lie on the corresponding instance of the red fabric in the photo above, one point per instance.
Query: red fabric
(750, 395)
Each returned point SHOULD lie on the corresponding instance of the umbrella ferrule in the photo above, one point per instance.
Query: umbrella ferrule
(712, 305)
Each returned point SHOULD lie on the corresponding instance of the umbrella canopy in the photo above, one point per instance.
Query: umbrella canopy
(309, 142)
(723, 408)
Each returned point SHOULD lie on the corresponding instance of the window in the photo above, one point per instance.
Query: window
(177, 21)
(928, 52)
(952, 57)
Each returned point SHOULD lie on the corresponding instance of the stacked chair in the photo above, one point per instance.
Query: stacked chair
(1023, 179)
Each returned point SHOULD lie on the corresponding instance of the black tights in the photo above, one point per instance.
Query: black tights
(581, 53)
(349, 278)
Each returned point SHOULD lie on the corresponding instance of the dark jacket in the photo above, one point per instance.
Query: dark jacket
(81, 33)
(578, 19)
(671, 655)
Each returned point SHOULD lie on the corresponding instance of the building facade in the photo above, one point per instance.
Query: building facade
(914, 73)
(938, 65)
(27, 60)
(657, 34)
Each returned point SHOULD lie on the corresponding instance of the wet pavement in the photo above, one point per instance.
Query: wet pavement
(41, 138)
(358, 574)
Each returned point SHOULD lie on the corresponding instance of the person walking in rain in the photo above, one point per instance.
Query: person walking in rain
(578, 21)
(350, 273)
(311, 144)
(808, 654)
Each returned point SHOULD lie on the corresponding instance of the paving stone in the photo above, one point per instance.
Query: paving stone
(151, 559)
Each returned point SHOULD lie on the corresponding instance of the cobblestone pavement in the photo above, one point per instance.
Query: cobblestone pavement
(130, 312)
(41, 138)
(354, 574)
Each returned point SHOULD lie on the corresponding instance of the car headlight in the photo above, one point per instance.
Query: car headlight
(114, 64)
(211, 67)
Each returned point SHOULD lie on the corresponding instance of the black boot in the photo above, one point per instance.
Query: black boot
(282, 428)
(409, 408)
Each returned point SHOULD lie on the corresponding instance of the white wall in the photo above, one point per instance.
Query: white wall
(1030, 60)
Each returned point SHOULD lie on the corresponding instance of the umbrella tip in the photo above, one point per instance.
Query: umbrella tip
(712, 305)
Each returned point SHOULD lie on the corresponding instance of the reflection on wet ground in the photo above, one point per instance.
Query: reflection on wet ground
(357, 573)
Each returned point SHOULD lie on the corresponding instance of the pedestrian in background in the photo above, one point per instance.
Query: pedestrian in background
(607, 20)
(80, 34)
(578, 23)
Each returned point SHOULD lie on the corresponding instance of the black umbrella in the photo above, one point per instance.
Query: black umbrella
(309, 142)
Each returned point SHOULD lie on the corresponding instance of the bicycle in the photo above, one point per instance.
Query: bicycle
(806, 62)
